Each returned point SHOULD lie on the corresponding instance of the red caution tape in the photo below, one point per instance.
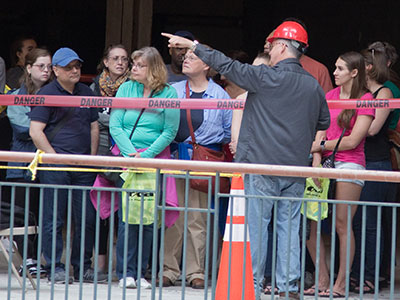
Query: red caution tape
(79, 101)
(370, 104)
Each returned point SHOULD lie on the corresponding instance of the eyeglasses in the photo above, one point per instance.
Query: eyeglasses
(191, 57)
(139, 66)
(43, 67)
(116, 59)
(77, 66)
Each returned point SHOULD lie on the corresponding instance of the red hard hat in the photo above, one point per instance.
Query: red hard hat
(290, 30)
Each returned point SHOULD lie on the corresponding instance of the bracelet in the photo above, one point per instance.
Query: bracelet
(194, 45)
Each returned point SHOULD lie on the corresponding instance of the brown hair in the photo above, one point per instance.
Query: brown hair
(16, 46)
(379, 71)
(156, 69)
(30, 59)
(391, 58)
(101, 66)
(386, 48)
(354, 61)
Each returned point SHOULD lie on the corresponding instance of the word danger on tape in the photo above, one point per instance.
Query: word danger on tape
(98, 102)
(169, 103)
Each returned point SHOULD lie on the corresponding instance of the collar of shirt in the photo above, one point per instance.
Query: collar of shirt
(211, 92)
(61, 89)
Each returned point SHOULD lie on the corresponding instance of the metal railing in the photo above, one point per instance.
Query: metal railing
(111, 290)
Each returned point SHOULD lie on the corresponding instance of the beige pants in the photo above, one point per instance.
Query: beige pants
(196, 237)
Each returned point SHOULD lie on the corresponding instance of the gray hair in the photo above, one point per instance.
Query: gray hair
(291, 48)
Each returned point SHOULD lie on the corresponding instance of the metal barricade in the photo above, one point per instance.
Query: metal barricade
(47, 289)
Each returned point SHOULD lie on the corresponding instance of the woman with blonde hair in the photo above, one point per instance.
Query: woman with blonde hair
(153, 131)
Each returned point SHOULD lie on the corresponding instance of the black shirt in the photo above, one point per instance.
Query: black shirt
(377, 147)
(197, 119)
(75, 136)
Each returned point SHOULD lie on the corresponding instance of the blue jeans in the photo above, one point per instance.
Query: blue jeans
(260, 210)
(67, 178)
(372, 192)
(133, 246)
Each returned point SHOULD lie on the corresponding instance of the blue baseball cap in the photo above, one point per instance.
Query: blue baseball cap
(64, 56)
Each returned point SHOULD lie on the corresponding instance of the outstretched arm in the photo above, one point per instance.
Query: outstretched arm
(246, 76)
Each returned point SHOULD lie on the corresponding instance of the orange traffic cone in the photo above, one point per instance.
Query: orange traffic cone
(235, 273)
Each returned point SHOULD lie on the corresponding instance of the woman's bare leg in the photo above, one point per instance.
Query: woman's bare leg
(349, 192)
(323, 278)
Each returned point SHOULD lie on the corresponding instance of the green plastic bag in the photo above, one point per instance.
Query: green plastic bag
(312, 191)
(139, 181)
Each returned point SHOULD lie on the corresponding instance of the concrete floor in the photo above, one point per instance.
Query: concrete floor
(113, 291)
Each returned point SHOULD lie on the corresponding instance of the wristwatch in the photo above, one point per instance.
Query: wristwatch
(322, 145)
(194, 45)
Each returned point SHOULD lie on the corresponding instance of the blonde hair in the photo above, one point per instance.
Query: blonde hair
(156, 69)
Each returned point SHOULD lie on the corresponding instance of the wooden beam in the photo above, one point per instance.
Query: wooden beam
(113, 22)
(145, 20)
(129, 22)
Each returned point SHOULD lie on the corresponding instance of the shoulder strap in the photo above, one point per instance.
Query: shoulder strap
(189, 116)
(377, 91)
(60, 124)
(338, 142)
(140, 114)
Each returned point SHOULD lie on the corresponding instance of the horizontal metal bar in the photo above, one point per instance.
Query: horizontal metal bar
(175, 164)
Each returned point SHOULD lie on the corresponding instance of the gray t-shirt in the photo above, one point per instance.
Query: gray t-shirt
(172, 77)
(13, 77)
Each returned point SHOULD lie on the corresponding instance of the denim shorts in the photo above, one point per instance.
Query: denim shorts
(351, 166)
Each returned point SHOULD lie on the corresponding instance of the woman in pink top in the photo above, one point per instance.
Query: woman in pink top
(351, 81)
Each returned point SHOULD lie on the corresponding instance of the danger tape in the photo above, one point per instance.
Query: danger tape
(99, 102)
(172, 103)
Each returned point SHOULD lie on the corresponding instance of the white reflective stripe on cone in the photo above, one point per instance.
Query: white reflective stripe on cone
(237, 233)
(237, 202)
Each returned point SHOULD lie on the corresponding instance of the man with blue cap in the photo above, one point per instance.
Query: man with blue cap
(71, 130)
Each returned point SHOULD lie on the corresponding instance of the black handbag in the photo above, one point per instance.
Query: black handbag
(329, 162)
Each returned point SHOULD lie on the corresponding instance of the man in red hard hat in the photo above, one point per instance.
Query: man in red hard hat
(284, 109)
(315, 68)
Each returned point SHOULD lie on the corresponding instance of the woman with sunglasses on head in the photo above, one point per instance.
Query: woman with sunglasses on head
(146, 134)
(394, 85)
(377, 153)
(350, 79)
(113, 71)
(37, 72)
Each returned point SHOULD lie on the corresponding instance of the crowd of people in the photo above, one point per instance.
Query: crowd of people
(281, 77)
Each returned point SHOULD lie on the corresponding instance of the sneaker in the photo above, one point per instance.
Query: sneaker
(31, 266)
(144, 284)
(88, 276)
(130, 283)
(59, 277)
